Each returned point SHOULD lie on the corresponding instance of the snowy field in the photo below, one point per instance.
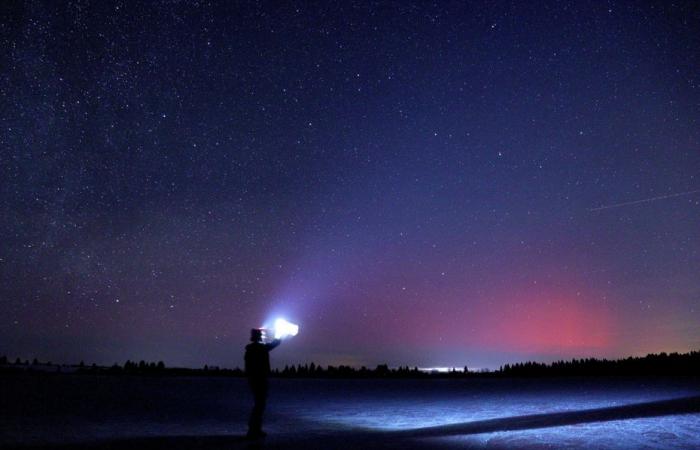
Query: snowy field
(142, 412)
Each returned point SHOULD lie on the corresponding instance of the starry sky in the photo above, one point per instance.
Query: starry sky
(441, 184)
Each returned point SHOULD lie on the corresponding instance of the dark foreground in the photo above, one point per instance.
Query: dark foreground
(100, 412)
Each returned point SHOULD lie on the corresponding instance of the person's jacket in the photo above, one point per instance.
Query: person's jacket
(257, 358)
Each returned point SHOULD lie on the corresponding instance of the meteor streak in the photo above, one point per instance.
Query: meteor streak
(645, 200)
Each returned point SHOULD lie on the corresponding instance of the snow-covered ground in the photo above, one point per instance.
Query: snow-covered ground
(143, 412)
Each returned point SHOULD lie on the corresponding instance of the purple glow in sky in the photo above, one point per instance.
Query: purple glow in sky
(431, 185)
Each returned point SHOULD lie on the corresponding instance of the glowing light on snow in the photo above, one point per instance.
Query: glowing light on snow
(283, 329)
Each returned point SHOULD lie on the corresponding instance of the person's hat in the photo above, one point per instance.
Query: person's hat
(256, 335)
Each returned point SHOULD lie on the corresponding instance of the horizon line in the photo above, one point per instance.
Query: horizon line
(440, 369)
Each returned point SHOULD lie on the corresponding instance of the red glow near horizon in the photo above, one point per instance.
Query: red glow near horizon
(550, 323)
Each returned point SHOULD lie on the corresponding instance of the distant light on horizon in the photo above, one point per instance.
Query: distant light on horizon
(440, 369)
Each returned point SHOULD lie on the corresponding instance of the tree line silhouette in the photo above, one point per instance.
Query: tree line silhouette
(651, 364)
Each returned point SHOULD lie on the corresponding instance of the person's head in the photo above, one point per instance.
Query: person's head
(256, 335)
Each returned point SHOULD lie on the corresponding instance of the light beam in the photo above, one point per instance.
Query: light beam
(283, 329)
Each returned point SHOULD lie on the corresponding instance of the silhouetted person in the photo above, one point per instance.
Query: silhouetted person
(257, 369)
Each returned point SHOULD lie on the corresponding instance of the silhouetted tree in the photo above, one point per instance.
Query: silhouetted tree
(382, 370)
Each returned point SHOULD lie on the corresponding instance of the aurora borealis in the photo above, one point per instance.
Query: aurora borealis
(412, 183)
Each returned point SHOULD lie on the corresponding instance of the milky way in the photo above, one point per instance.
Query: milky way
(411, 183)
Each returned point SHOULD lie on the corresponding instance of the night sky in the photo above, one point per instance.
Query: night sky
(424, 184)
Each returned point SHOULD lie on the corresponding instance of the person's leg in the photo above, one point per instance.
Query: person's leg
(260, 400)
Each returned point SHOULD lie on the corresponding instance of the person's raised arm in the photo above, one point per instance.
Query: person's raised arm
(273, 344)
